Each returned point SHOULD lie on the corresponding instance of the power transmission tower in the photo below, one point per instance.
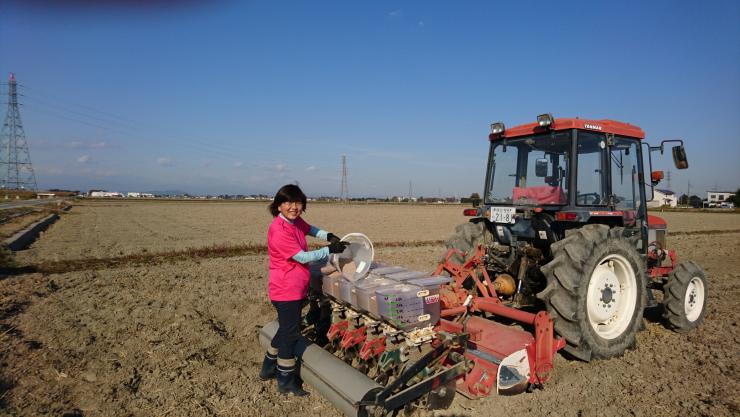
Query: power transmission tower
(16, 171)
(344, 193)
(668, 180)
(688, 195)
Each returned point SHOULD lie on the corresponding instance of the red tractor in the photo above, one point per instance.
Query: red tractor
(564, 227)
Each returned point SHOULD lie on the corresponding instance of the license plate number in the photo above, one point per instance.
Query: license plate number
(502, 214)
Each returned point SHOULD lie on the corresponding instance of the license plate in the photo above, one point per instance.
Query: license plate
(502, 214)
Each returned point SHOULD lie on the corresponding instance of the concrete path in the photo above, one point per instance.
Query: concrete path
(9, 204)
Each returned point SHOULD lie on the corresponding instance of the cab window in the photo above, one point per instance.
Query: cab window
(625, 182)
(591, 178)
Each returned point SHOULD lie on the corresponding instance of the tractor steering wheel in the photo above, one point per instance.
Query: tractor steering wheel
(588, 199)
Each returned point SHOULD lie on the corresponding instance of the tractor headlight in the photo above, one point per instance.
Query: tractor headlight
(497, 128)
(545, 120)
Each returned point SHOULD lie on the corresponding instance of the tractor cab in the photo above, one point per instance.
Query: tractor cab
(566, 173)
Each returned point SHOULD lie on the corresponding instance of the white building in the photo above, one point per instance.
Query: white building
(716, 198)
(139, 195)
(663, 198)
(105, 194)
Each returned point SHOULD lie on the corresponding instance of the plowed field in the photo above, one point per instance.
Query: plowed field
(108, 314)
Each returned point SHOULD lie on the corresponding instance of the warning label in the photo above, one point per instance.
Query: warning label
(432, 299)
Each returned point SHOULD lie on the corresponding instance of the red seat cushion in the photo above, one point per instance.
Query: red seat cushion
(543, 194)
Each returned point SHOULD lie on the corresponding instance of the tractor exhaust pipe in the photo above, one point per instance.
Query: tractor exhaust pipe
(342, 385)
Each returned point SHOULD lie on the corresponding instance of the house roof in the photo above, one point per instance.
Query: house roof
(666, 192)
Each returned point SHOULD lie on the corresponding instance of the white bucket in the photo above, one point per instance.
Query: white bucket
(355, 261)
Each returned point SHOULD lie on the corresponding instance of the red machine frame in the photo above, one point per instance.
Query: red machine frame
(490, 341)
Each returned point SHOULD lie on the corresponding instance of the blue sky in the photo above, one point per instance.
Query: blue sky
(242, 97)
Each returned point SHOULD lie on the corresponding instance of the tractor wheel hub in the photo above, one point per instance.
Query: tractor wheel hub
(694, 299)
(606, 295)
(604, 299)
(611, 296)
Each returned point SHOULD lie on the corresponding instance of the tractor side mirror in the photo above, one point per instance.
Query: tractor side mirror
(679, 157)
(540, 167)
(655, 177)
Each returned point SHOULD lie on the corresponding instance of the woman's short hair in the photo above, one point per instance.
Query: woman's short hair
(290, 193)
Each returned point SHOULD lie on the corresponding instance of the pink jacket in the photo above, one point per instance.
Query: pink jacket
(288, 278)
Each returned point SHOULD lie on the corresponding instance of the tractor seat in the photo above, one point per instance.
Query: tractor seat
(543, 194)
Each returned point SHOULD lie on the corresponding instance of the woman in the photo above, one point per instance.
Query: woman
(288, 283)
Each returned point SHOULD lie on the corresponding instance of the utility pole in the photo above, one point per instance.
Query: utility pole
(410, 191)
(16, 171)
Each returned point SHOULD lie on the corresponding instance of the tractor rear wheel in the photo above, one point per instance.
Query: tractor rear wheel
(467, 237)
(684, 297)
(595, 291)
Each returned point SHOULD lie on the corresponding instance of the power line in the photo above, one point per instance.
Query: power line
(196, 146)
(124, 125)
(54, 106)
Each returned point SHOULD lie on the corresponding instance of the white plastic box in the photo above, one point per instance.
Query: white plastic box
(364, 296)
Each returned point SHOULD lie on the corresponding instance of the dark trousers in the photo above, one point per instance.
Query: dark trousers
(319, 312)
(288, 340)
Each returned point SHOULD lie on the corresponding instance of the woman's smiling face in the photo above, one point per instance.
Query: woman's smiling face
(291, 209)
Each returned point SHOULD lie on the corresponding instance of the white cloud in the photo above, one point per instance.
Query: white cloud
(238, 164)
(164, 161)
(395, 13)
(281, 167)
(83, 159)
(79, 144)
(311, 168)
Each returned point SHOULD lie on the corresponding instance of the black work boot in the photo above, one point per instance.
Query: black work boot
(288, 381)
(298, 379)
(269, 366)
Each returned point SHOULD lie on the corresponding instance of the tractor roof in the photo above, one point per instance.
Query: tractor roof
(605, 125)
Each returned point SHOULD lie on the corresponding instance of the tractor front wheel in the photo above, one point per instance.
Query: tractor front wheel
(684, 297)
(595, 291)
